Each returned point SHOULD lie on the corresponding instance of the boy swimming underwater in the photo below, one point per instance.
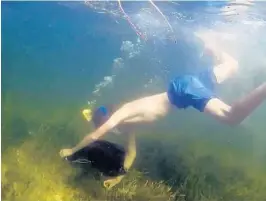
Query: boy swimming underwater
(185, 91)
(110, 159)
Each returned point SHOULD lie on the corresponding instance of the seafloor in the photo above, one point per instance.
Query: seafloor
(174, 167)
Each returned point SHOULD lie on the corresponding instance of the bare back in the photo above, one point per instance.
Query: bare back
(149, 108)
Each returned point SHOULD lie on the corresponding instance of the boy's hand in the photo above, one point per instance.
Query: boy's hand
(110, 183)
(66, 152)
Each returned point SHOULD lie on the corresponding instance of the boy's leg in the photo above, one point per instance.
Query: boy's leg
(226, 66)
(226, 69)
(238, 111)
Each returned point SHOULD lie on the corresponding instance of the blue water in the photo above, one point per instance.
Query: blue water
(53, 51)
(58, 49)
(55, 54)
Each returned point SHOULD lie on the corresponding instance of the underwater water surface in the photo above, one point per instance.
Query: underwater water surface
(59, 58)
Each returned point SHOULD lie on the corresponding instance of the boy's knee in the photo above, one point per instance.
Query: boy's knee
(231, 121)
(222, 112)
(231, 118)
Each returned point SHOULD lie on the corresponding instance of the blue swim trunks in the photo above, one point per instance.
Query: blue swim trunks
(192, 90)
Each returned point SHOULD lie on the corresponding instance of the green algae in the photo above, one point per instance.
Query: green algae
(179, 167)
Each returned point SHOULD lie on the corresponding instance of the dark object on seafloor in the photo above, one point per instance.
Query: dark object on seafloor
(108, 158)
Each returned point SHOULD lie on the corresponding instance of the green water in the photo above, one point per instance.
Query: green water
(53, 55)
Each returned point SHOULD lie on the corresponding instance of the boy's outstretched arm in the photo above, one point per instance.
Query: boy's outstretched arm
(131, 152)
(129, 160)
(120, 115)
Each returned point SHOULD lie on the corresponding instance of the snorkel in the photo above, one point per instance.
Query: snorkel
(98, 116)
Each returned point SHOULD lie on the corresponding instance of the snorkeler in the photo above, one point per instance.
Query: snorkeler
(185, 91)
(108, 158)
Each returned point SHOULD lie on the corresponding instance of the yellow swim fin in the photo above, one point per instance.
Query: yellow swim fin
(87, 114)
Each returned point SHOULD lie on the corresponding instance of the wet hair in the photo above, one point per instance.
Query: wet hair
(107, 157)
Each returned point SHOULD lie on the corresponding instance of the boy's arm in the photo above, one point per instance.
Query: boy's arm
(129, 159)
(131, 151)
(121, 114)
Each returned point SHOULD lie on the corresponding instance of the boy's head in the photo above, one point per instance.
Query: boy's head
(101, 115)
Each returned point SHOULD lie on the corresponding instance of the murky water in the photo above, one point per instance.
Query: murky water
(61, 57)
